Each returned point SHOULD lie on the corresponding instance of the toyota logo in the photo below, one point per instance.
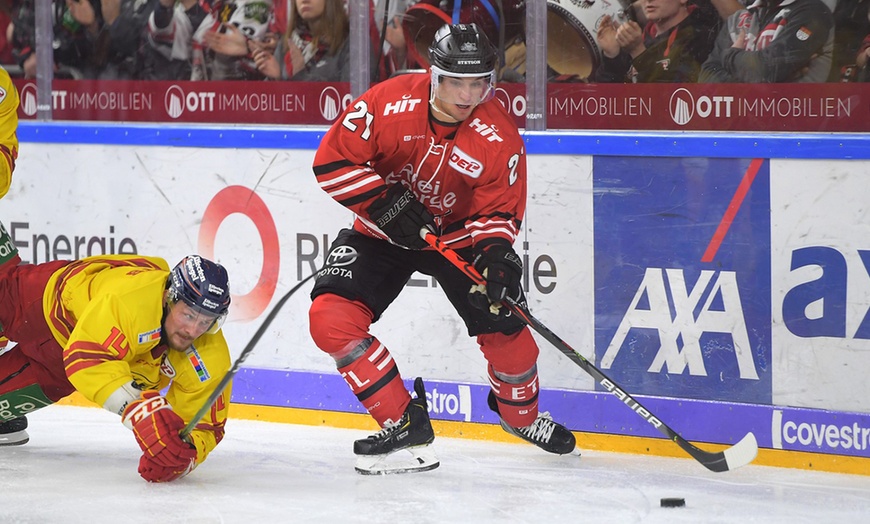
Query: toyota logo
(342, 256)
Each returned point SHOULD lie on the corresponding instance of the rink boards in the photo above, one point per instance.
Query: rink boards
(729, 292)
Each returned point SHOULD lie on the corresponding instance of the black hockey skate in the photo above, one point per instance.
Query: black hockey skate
(12, 432)
(544, 432)
(412, 433)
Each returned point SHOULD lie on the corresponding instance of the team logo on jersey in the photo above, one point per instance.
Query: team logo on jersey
(149, 336)
(197, 363)
(166, 368)
(803, 33)
(465, 163)
(2, 94)
(489, 132)
(400, 106)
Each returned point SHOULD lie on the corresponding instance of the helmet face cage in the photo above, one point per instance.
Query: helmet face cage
(204, 286)
(462, 51)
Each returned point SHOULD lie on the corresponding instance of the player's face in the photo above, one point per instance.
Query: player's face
(457, 97)
(184, 324)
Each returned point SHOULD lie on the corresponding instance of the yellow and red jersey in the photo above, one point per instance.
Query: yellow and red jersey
(106, 312)
(8, 130)
(471, 177)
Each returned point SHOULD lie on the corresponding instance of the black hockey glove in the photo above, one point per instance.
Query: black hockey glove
(400, 215)
(502, 269)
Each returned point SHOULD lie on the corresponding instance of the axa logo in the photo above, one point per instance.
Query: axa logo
(824, 298)
(465, 163)
(681, 315)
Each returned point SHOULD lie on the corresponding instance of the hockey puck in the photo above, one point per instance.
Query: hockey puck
(673, 503)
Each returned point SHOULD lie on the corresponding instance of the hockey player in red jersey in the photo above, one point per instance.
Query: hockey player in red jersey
(428, 150)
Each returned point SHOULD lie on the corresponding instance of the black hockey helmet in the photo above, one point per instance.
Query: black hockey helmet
(203, 285)
(462, 50)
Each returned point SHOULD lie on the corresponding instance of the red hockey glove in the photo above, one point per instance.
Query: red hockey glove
(400, 215)
(153, 472)
(500, 266)
(157, 429)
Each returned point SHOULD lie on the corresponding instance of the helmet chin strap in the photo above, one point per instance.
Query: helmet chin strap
(435, 108)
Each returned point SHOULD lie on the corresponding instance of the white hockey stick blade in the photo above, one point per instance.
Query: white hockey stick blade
(422, 458)
(742, 453)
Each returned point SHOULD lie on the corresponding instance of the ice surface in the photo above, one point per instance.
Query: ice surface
(80, 466)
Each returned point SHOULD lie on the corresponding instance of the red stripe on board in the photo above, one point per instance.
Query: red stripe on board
(731, 212)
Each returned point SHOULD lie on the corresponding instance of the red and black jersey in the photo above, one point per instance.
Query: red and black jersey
(471, 175)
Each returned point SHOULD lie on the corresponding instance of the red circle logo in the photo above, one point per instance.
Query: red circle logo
(240, 199)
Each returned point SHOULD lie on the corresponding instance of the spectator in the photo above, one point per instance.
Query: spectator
(773, 41)
(6, 12)
(390, 37)
(167, 49)
(862, 61)
(315, 47)
(224, 43)
(77, 30)
(92, 38)
(851, 23)
(671, 47)
(125, 22)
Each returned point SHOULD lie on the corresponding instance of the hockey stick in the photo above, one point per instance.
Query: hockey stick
(245, 352)
(734, 457)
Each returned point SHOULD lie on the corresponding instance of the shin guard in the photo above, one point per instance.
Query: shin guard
(374, 378)
(339, 327)
(516, 396)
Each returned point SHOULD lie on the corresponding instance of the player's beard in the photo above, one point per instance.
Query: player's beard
(179, 342)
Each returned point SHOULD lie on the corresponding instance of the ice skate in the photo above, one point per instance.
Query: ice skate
(544, 432)
(384, 452)
(13, 432)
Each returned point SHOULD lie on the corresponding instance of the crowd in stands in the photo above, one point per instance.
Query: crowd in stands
(309, 40)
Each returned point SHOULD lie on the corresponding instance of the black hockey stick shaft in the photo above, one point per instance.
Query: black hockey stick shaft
(244, 354)
(737, 455)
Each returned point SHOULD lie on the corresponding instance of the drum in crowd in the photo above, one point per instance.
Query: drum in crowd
(572, 48)
(503, 22)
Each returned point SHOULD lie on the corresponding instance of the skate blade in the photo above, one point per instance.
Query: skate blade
(14, 439)
(422, 458)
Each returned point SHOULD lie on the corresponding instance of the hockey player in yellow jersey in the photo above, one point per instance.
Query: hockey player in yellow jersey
(8, 155)
(120, 329)
(8, 130)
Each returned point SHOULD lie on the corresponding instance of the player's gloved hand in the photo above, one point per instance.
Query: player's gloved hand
(400, 215)
(157, 429)
(153, 472)
(502, 269)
